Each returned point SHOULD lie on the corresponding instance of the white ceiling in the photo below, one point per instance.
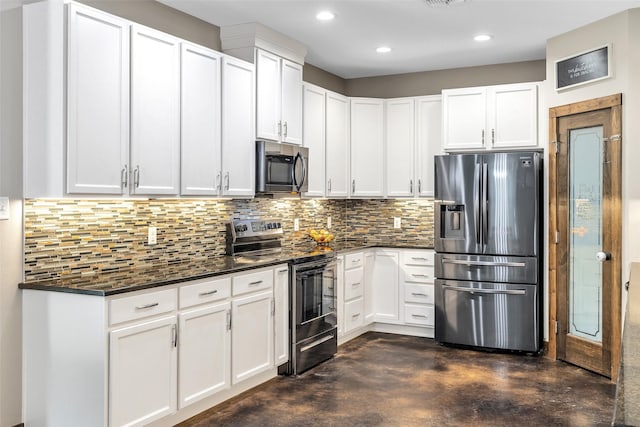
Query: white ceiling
(422, 37)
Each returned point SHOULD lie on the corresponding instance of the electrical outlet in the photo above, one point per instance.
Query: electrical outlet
(328, 222)
(4, 208)
(397, 222)
(296, 224)
(152, 237)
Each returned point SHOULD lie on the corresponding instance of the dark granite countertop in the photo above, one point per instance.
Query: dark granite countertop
(627, 410)
(117, 282)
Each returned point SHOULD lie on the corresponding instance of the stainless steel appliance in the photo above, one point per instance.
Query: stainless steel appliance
(314, 332)
(488, 242)
(281, 168)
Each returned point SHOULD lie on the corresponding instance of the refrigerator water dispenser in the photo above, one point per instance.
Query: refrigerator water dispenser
(452, 221)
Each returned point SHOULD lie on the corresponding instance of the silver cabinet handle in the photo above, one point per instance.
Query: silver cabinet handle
(419, 294)
(355, 315)
(421, 275)
(273, 307)
(145, 306)
(316, 343)
(174, 335)
(422, 316)
(493, 137)
(355, 260)
(355, 284)
(411, 186)
(124, 176)
(257, 282)
(353, 186)
(285, 130)
(219, 181)
(226, 177)
(204, 294)
(329, 185)
(484, 263)
(228, 320)
(419, 186)
(416, 258)
(136, 176)
(483, 137)
(285, 270)
(279, 128)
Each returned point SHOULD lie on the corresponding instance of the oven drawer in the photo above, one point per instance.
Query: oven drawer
(141, 306)
(252, 282)
(422, 294)
(418, 274)
(353, 283)
(204, 291)
(316, 349)
(422, 315)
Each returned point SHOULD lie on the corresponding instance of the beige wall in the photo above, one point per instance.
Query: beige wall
(432, 82)
(11, 230)
(163, 18)
(623, 32)
(322, 78)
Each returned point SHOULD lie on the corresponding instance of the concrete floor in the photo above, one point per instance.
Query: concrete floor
(392, 380)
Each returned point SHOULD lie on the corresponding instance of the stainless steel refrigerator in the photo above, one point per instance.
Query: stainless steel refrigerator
(488, 242)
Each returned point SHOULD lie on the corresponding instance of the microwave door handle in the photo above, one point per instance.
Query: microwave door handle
(304, 171)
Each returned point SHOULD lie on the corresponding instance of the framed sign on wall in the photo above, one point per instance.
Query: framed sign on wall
(583, 68)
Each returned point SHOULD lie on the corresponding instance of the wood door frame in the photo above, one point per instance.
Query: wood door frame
(613, 102)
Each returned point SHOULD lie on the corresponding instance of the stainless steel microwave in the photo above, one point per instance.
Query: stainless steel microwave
(281, 168)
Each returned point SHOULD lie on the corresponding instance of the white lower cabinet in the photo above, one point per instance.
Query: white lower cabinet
(205, 352)
(281, 296)
(142, 372)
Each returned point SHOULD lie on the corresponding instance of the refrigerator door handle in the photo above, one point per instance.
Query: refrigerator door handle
(476, 197)
(488, 291)
(484, 263)
(485, 203)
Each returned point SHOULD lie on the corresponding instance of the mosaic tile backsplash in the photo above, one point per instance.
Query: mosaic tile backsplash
(78, 237)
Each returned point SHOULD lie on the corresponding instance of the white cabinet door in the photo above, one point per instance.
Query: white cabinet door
(205, 352)
(252, 335)
(367, 147)
(513, 115)
(337, 145)
(464, 118)
(142, 372)
(385, 287)
(314, 137)
(238, 115)
(369, 293)
(200, 121)
(281, 296)
(268, 93)
(428, 140)
(155, 112)
(97, 102)
(291, 102)
(400, 141)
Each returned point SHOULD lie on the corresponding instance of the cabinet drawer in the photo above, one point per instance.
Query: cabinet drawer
(353, 260)
(417, 257)
(204, 291)
(418, 274)
(353, 283)
(141, 306)
(353, 314)
(251, 282)
(418, 314)
(422, 294)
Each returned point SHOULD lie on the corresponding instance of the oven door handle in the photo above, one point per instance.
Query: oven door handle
(316, 343)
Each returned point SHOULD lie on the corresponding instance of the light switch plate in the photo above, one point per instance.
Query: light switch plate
(4, 208)
(296, 224)
(328, 222)
(152, 237)
(397, 222)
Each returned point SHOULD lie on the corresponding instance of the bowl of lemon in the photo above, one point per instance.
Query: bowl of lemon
(321, 236)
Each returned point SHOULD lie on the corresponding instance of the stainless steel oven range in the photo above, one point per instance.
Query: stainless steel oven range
(313, 320)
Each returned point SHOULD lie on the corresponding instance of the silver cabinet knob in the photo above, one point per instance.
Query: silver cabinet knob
(603, 256)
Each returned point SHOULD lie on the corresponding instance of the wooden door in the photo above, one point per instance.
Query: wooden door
(585, 223)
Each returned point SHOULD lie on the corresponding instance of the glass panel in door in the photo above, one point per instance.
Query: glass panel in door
(585, 232)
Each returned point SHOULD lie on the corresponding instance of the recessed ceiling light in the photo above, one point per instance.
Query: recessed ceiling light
(482, 37)
(383, 49)
(325, 15)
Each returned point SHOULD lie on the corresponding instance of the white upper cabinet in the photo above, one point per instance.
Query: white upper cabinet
(155, 112)
(238, 115)
(97, 102)
(428, 141)
(400, 138)
(504, 116)
(367, 147)
(314, 137)
(279, 98)
(337, 145)
(200, 121)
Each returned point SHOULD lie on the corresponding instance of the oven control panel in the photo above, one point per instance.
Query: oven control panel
(256, 227)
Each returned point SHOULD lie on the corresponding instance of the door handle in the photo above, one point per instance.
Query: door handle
(484, 263)
(476, 197)
(603, 256)
(485, 203)
(488, 291)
